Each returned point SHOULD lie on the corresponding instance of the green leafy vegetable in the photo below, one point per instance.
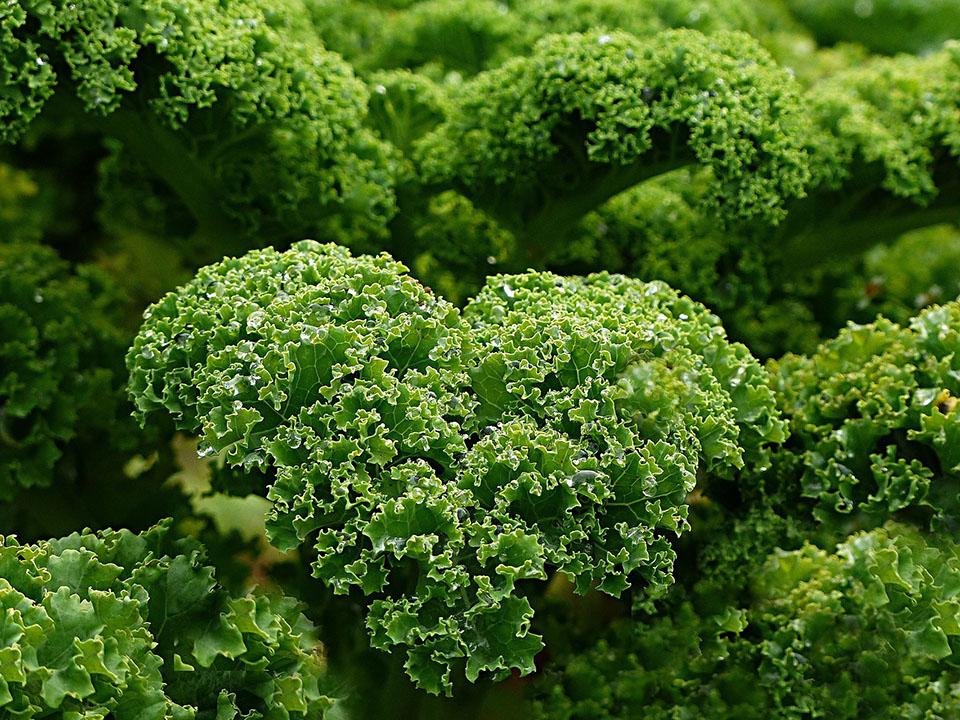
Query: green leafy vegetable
(543, 140)
(130, 626)
(873, 421)
(58, 357)
(462, 38)
(536, 474)
(884, 157)
(438, 463)
(868, 631)
(248, 124)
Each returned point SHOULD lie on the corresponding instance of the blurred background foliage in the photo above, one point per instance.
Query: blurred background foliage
(154, 137)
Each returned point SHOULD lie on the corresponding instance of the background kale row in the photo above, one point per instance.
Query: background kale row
(541, 470)
(121, 625)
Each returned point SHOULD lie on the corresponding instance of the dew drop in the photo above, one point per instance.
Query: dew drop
(256, 319)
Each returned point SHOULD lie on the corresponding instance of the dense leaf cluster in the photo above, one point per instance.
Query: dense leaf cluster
(884, 155)
(121, 625)
(231, 114)
(873, 424)
(440, 37)
(542, 140)
(536, 474)
(436, 462)
(57, 361)
(867, 631)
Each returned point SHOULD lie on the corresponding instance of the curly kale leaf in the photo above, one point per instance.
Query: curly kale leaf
(637, 392)
(431, 462)
(249, 123)
(342, 377)
(884, 157)
(57, 360)
(543, 140)
(454, 38)
(250, 343)
(874, 427)
(125, 626)
(867, 631)
(582, 444)
(547, 336)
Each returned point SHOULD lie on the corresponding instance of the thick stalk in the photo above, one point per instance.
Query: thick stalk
(828, 237)
(553, 215)
(164, 154)
(558, 217)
